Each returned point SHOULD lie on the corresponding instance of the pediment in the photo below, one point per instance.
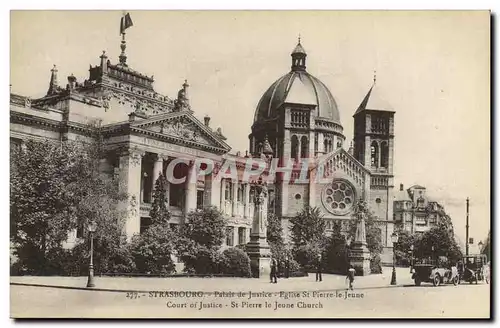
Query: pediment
(183, 127)
(342, 161)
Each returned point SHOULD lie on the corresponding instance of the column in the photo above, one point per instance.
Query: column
(222, 194)
(190, 196)
(157, 169)
(235, 198)
(247, 201)
(130, 183)
(236, 231)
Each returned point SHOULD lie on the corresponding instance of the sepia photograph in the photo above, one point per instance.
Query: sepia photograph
(253, 164)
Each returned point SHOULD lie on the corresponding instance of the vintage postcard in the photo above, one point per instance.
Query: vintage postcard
(250, 164)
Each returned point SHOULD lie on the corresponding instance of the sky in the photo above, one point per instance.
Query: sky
(432, 67)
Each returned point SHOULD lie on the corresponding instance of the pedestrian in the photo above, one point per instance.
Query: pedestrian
(319, 276)
(460, 269)
(287, 267)
(487, 274)
(274, 266)
(351, 272)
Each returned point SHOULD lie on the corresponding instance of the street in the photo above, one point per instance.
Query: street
(266, 300)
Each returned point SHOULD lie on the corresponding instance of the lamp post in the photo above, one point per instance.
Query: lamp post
(394, 238)
(411, 257)
(92, 228)
(433, 257)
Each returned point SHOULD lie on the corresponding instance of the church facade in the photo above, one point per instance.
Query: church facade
(297, 120)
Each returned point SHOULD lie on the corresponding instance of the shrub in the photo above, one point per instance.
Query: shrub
(375, 264)
(202, 260)
(152, 250)
(235, 262)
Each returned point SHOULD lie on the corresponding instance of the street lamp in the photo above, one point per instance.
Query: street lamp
(394, 238)
(411, 257)
(433, 257)
(92, 228)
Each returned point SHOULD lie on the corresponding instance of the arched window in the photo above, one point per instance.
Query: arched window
(295, 147)
(325, 142)
(374, 154)
(304, 147)
(384, 154)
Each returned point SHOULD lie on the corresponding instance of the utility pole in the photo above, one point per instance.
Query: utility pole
(467, 230)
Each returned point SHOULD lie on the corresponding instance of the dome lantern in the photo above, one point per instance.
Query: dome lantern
(299, 58)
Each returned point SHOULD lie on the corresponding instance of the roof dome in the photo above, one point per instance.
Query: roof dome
(300, 87)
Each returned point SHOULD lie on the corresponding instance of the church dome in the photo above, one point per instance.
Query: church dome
(300, 87)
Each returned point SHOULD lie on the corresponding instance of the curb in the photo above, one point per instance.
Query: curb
(206, 293)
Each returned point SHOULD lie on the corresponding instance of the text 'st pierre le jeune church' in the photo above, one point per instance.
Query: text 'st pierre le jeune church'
(296, 118)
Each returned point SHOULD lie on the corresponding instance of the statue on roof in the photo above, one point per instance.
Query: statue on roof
(182, 101)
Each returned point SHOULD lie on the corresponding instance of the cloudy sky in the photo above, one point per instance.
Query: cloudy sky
(432, 67)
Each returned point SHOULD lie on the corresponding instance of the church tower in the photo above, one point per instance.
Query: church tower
(374, 148)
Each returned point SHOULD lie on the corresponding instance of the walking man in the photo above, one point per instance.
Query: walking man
(274, 267)
(318, 268)
(351, 272)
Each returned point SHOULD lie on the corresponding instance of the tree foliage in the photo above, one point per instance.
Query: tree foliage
(57, 187)
(487, 247)
(159, 212)
(152, 250)
(205, 227)
(442, 239)
(308, 226)
(200, 239)
(335, 253)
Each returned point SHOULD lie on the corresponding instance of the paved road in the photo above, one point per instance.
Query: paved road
(464, 301)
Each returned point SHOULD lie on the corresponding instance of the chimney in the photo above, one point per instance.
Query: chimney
(207, 121)
(401, 188)
(71, 81)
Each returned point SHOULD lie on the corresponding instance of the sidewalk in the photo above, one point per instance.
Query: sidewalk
(142, 284)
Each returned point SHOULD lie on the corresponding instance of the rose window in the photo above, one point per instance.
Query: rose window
(338, 197)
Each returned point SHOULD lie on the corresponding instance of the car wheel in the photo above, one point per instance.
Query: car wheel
(436, 281)
(417, 282)
(455, 281)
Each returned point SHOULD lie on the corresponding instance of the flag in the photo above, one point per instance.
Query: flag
(125, 23)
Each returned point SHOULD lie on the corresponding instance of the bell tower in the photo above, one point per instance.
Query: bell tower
(374, 133)
(374, 148)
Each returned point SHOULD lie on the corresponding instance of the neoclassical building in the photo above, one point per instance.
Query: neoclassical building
(416, 212)
(297, 118)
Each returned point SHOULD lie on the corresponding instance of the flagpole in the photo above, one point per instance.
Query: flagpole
(125, 23)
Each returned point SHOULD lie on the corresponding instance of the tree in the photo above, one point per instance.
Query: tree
(442, 239)
(57, 187)
(159, 212)
(274, 230)
(335, 254)
(200, 239)
(152, 250)
(308, 226)
(403, 247)
(487, 246)
(308, 235)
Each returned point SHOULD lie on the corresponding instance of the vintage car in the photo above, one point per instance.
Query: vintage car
(435, 275)
(474, 268)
